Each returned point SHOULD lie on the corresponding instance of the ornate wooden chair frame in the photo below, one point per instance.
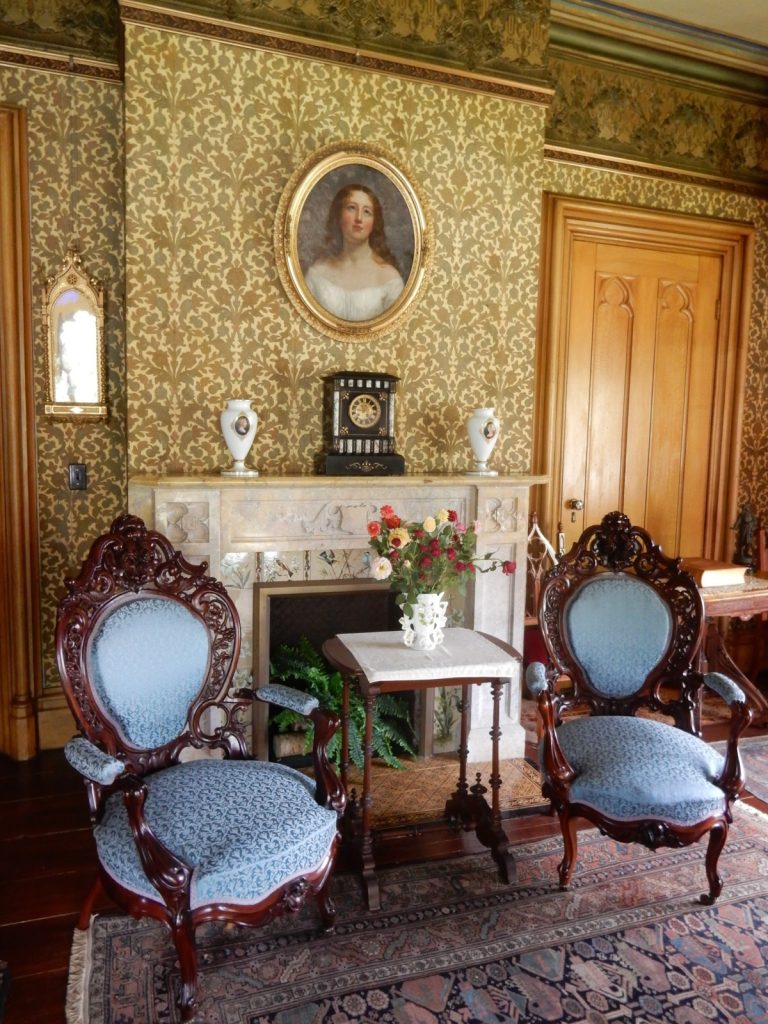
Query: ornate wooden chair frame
(580, 779)
(123, 774)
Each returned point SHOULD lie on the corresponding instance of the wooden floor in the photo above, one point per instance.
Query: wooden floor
(47, 864)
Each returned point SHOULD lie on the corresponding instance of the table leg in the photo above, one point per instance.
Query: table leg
(469, 805)
(489, 829)
(370, 881)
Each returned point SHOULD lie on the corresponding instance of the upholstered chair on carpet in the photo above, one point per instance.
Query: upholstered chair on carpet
(621, 745)
(188, 828)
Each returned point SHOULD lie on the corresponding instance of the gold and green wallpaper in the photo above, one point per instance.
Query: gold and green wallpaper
(74, 127)
(214, 132)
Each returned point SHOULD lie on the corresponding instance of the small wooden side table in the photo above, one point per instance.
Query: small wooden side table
(734, 602)
(381, 663)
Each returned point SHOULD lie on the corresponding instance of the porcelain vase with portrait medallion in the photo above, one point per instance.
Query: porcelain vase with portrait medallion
(483, 430)
(238, 427)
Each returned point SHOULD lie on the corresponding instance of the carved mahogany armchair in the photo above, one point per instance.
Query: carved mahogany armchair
(625, 623)
(188, 828)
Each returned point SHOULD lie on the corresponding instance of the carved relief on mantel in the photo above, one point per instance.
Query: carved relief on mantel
(187, 522)
(501, 516)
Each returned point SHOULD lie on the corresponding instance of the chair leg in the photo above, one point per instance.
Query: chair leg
(717, 837)
(568, 828)
(327, 906)
(184, 940)
(83, 922)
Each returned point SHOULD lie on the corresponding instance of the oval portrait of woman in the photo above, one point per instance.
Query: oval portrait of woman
(351, 242)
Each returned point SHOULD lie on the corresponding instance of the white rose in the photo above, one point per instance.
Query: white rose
(381, 568)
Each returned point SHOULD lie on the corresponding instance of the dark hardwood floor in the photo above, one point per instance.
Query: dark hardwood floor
(47, 865)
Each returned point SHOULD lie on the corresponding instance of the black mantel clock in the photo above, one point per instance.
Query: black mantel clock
(359, 425)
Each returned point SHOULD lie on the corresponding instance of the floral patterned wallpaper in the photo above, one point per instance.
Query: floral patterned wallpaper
(208, 157)
(74, 129)
(213, 131)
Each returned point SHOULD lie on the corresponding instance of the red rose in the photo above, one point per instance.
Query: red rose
(470, 566)
(395, 542)
(374, 529)
(387, 511)
(450, 554)
(453, 517)
(509, 568)
(425, 562)
(394, 554)
(460, 567)
(418, 534)
(392, 522)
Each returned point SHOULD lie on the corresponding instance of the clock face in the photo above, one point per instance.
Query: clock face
(364, 411)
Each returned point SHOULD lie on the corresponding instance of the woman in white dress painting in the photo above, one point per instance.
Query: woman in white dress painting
(355, 276)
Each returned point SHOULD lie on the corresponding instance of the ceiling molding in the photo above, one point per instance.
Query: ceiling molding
(607, 29)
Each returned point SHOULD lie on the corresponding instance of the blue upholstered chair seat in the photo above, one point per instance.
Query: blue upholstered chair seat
(635, 768)
(245, 827)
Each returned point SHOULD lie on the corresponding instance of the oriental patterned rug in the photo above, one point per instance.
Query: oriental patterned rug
(417, 792)
(452, 945)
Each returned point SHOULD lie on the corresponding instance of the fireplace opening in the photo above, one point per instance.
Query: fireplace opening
(317, 610)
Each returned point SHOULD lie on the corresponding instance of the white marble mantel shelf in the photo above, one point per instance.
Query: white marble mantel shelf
(297, 529)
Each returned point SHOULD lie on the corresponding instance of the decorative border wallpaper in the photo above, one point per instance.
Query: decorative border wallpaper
(694, 199)
(639, 116)
(74, 129)
(208, 157)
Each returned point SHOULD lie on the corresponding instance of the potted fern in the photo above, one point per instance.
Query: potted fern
(304, 668)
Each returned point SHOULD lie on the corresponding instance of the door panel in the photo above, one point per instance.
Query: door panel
(636, 374)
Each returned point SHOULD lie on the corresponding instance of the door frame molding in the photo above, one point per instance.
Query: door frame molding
(20, 648)
(567, 219)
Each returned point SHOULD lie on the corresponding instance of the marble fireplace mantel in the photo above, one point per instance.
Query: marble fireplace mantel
(297, 529)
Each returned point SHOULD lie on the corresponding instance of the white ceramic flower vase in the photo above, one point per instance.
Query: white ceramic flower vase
(238, 426)
(424, 629)
(483, 429)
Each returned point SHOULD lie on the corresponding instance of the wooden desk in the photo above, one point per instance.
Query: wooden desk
(734, 602)
(381, 663)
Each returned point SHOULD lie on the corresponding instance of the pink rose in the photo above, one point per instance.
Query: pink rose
(508, 568)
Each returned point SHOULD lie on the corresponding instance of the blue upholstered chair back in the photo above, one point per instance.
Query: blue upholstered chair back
(618, 629)
(148, 659)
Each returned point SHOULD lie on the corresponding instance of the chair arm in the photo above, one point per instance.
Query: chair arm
(554, 764)
(328, 788)
(168, 873)
(91, 762)
(555, 768)
(287, 697)
(724, 687)
(732, 776)
(536, 678)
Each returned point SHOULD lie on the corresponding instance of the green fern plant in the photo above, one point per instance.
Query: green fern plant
(304, 668)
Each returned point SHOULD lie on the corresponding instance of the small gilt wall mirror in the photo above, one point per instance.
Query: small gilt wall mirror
(73, 318)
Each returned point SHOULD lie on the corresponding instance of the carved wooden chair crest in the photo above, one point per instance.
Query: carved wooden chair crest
(147, 645)
(625, 623)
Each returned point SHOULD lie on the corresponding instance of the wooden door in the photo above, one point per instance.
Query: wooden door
(20, 671)
(640, 371)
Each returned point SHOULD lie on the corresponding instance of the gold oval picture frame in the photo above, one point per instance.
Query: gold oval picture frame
(351, 241)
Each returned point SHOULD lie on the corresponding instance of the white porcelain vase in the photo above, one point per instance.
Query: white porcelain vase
(238, 426)
(483, 429)
(424, 629)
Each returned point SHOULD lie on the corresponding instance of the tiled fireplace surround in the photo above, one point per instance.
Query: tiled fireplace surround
(294, 530)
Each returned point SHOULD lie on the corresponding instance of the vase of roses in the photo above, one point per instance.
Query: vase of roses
(423, 561)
